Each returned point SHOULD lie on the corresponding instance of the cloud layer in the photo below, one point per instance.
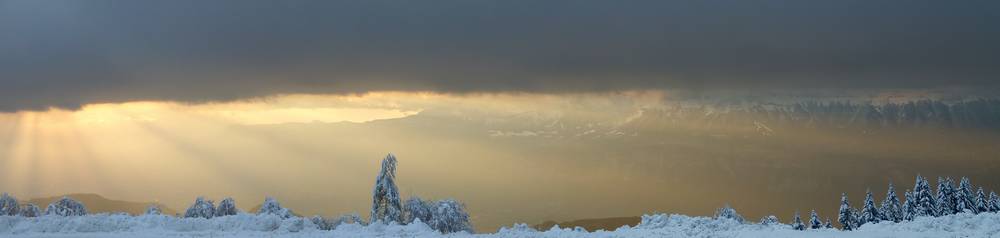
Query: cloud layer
(66, 54)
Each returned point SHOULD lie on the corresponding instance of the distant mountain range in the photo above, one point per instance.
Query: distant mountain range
(98, 204)
(607, 224)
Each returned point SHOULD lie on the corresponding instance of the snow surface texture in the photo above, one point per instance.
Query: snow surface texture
(269, 225)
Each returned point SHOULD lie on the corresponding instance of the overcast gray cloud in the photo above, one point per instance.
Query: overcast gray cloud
(69, 53)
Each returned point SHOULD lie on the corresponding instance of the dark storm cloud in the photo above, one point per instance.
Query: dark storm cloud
(68, 53)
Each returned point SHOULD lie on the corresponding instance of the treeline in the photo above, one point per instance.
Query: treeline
(922, 201)
(445, 215)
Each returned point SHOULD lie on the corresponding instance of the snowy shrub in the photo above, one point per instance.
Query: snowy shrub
(153, 209)
(8, 205)
(66, 207)
(416, 208)
(227, 207)
(450, 216)
(386, 206)
(769, 220)
(727, 212)
(201, 208)
(322, 223)
(797, 222)
(271, 206)
(30, 210)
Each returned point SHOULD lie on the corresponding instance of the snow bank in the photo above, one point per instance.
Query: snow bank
(248, 225)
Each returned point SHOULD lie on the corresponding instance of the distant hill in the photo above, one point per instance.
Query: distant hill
(608, 224)
(98, 204)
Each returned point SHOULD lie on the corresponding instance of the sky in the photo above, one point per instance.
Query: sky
(525, 110)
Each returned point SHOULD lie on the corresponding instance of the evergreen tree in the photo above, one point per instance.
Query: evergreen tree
(66, 207)
(8, 205)
(846, 216)
(797, 222)
(153, 209)
(227, 207)
(30, 210)
(869, 213)
(828, 224)
(416, 208)
(994, 202)
(814, 222)
(201, 208)
(982, 204)
(450, 216)
(909, 206)
(272, 207)
(769, 220)
(964, 196)
(386, 206)
(891, 209)
(946, 197)
(727, 212)
(926, 205)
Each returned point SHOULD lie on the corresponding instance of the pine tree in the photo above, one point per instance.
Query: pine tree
(982, 204)
(66, 207)
(201, 208)
(926, 205)
(946, 197)
(227, 207)
(909, 206)
(797, 222)
(891, 209)
(869, 213)
(727, 212)
(994, 202)
(846, 216)
(450, 216)
(814, 222)
(964, 196)
(828, 224)
(386, 206)
(272, 207)
(30, 210)
(8, 205)
(769, 220)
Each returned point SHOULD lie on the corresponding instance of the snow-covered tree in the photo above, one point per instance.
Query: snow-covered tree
(964, 197)
(727, 212)
(891, 209)
(769, 220)
(30, 210)
(201, 208)
(846, 216)
(994, 202)
(450, 216)
(416, 208)
(227, 207)
(828, 224)
(909, 206)
(869, 213)
(797, 222)
(322, 223)
(925, 202)
(271, 206)
(814, 222)
(982, 204)
(8, 205)
(946, 197)
(66, 207)
(386, 206)
(153, 209)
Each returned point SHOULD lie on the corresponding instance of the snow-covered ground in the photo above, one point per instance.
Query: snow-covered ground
(247, 225)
